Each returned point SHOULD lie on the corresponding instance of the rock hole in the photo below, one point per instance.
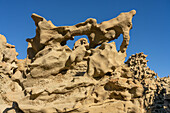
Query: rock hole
(63, 71)
(14, 70)
(70, 43)
(24, 74)
(96, 94)
(80, 74)
(97, 78)
(4, 58)
(118, 42)
(96, 101)
(108, 74)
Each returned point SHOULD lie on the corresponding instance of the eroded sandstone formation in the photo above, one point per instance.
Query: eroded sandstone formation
(86, 79)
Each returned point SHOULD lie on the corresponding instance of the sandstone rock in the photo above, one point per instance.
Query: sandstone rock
(7, 51)
(82, 41)
(154, 88)
(79, 53)
(9, 55)
(54, 78)
(109, 56)
(3, 41)
(76, 56)
(138, 64)
(48, 34)
(8, 58)
(15, 108)
(49, 61)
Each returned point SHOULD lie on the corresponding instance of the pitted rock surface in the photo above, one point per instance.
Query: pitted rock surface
(90, 78)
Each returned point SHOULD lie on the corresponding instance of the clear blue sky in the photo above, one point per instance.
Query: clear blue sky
(150, 33)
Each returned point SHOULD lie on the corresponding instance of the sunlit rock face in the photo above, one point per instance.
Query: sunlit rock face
(91, 77)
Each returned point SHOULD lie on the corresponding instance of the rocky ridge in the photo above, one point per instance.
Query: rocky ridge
(91, 77)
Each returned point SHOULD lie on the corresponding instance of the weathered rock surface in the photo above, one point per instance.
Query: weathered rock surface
(154, 88)
(55, 79)
(49, 61)
(104, 59)
(48, 34)
(79, 52)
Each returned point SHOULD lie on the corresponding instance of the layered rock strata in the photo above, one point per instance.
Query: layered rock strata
(86, 79)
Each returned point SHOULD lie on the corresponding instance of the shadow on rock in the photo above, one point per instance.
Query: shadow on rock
(15, 107)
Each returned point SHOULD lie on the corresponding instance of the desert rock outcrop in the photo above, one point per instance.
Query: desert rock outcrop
(91, 77)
